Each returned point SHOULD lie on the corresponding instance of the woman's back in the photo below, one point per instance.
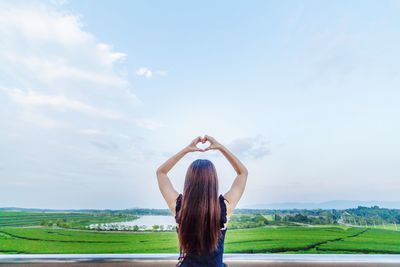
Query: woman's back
(213, 259)
(200, 213)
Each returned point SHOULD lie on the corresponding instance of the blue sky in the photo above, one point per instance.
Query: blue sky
(95, 95)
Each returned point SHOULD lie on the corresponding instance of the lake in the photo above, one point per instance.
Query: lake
(145, 222)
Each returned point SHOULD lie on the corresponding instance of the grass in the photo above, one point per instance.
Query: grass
(67, 219)
(372, 241)
(49, 240)
(393, 227)
(255, 240)
(21, 232)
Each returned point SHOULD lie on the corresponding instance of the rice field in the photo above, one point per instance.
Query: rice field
(255, 240)
(40, 232)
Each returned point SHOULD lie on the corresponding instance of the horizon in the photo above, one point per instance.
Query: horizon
(267, 206)
(94, 96)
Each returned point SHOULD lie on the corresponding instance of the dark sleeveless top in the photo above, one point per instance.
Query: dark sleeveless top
(214, 259)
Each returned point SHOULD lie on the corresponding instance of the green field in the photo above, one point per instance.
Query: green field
(77, 220)
(66, 232)
(254, 240)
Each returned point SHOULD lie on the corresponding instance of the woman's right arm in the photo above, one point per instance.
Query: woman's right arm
(237, 188)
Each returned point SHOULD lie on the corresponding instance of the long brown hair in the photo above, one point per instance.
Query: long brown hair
(199, 216)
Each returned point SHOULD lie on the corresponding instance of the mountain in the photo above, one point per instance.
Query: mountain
(45, 210)
(333, 204)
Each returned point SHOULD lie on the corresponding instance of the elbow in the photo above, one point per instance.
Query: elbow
(159, 171)
(245, 172)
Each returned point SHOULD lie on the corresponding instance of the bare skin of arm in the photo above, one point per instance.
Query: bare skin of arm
(237, 188)
(164, 183)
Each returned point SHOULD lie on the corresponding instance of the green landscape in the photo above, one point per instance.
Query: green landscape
(359, 230)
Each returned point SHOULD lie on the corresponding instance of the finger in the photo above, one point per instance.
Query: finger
(196, 140)
(210, 139)
(199, 139)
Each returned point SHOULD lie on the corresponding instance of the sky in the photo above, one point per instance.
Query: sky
(95, 95)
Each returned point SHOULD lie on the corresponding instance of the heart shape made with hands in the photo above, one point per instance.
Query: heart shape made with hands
(203, 144)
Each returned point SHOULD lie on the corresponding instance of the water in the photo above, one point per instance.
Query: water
(150, 220)
(144, 222)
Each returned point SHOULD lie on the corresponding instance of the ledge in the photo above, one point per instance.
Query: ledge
(171, 259)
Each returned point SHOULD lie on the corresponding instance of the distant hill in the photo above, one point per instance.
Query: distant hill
(334, 204)
(44, 210)
(137, 211)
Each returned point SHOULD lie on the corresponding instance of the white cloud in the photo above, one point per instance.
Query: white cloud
(253, 147)
(149, 124)
(143, 71)
(107, 55)
(53, 70)
(39, 23)
(55, 63)
(67, 109)
(59, 2)
(41, 120)
(47, 45)
(148, 73)
(90, 132)
(59, 102)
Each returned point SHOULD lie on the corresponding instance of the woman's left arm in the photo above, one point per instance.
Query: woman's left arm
(164, 183)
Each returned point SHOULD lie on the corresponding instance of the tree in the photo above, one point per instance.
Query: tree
(398, 218)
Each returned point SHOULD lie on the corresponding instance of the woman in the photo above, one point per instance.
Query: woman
(201, 214)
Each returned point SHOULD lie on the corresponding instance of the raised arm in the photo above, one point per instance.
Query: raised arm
(237, 188)
(164, 183)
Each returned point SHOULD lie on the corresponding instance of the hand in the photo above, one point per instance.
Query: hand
(192, 147)
(213, 143)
